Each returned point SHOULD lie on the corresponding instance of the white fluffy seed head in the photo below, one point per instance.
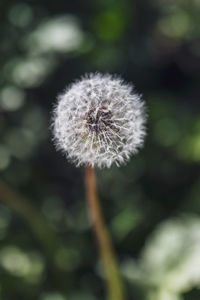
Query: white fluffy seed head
(99, 121)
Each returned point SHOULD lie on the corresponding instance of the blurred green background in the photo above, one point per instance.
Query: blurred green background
(151, 205)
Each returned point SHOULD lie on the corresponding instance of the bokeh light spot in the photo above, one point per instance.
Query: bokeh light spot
(109, 24)
(20, 14)
(61, 34)
(22, 264)
(175, 25)
(67, 258)
(11, 98)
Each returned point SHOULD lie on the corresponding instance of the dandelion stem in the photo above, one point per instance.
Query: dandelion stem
(110, 264)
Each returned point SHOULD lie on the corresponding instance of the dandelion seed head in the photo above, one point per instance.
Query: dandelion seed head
(99, 120)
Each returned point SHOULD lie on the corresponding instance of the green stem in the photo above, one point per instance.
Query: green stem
(41, 229)
(34, 218)
(111, 269)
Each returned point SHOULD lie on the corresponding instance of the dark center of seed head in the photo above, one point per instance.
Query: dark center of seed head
(98, 121)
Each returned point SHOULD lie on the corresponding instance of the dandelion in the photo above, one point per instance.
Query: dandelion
(99, 121)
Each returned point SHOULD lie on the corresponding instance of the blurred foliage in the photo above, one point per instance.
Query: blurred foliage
(152, 204)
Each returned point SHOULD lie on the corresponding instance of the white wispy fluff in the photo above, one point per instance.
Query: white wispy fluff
(168, 266)
(99, 121)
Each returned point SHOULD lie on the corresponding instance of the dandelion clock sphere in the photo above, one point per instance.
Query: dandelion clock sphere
(99, 121)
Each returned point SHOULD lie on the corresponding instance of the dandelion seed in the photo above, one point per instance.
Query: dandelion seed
(99, 121)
